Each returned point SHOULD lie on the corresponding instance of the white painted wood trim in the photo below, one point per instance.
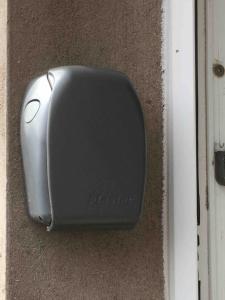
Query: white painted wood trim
(203, 251)
(215, 46)
(181, 187)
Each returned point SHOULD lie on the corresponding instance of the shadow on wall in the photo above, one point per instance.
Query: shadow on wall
(122, 35)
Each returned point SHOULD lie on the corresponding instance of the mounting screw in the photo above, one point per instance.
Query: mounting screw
(218, 70)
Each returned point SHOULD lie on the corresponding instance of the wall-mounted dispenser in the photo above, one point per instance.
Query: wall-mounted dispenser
(83, 146)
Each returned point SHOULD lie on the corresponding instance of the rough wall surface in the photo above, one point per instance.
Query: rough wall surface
(124, 35)
(3, 65)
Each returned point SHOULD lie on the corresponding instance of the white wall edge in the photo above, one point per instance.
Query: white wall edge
(180, 221)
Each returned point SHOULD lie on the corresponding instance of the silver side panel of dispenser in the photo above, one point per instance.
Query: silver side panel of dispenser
(34, 119)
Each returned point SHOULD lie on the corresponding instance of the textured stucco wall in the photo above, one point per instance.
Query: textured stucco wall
(3, 65)
(124, 35)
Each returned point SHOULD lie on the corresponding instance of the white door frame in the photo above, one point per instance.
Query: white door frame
(203, 241)
(180, 159)
(215, 88)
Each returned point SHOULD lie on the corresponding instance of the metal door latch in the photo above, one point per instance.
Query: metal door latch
(220, 167)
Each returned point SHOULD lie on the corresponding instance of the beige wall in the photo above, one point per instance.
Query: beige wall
(124, 35)
(3, 63)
